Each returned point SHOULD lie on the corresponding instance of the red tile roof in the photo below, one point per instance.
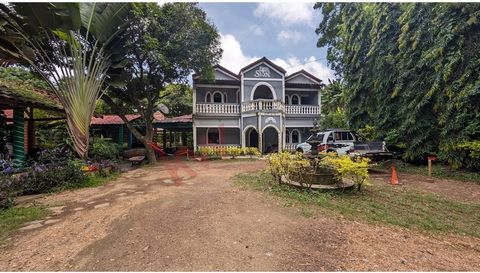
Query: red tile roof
(180, 119)
(114, 119)
(8, 113)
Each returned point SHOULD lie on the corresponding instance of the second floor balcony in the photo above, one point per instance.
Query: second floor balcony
(261, 105)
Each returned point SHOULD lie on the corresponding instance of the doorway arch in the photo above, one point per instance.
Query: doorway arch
(270, 139)
(251, 137)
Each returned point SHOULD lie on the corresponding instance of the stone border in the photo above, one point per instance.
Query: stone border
(345, 185)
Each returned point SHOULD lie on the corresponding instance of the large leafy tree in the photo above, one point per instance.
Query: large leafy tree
(411, 69)
(73, 46)
(165, 45)
(178, 99)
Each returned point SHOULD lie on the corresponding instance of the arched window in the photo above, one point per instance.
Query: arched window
(218, 97)
(287, 136)
(208, 97)
(263, 90)
(295, 99)
(287, 99)
(213, 136)
(295, 136)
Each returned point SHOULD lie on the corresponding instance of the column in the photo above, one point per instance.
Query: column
(194, 137)
(18, 137)
(130, 139)
(164, 138)
(120, 134)
(31, 132)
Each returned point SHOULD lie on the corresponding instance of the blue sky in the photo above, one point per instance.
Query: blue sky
(283, 32)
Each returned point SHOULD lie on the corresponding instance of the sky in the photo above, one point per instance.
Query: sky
(282, 32)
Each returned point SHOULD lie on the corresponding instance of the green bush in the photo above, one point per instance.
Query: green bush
(464, 154)
(296, 167)
(50, 177)
(9, 188)
(104, 148)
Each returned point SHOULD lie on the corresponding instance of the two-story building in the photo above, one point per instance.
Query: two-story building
(259, 107)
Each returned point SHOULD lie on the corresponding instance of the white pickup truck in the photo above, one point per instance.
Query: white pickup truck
(344, 142)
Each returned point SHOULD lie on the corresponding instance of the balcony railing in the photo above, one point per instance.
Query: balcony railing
(290, 147)
(257, 105)
(262, 105)
(302, 109)
(218, 108)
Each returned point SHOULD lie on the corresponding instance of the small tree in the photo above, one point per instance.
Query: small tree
(72, 46)
(165, 45)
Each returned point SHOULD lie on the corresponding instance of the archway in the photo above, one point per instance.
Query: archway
(251, 137)
(270, 140)
(263, 90)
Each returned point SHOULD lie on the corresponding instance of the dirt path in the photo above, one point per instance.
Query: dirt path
(189, 216)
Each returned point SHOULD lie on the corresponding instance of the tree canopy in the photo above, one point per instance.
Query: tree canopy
(411, 70)
(75, 47)
(165, 45)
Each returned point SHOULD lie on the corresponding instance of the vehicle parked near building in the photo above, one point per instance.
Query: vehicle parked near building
(342, 142)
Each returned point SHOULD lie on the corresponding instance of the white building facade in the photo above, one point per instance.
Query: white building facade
(259, 107)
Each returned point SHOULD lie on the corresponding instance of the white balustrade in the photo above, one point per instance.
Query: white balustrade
(290, 146)
(303, 109)
(256, 105)
(260, 105)
(218, 108)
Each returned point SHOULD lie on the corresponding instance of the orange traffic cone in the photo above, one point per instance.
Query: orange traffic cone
(394, 178)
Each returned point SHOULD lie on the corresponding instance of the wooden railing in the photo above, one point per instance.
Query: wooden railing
(218, 108)
(260, 105)
(302, 109)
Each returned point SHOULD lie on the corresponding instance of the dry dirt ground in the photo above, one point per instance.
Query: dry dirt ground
(188, 216)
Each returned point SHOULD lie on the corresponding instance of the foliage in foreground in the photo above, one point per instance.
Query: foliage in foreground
(53, 170)
(410, 69)
(72, 46)
(296, 167)
(378, 204)
(13, 218)
(212, 152)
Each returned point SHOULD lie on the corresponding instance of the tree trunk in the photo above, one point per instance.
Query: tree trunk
(145, 140)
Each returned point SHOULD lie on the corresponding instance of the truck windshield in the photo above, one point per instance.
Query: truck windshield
(320, 137)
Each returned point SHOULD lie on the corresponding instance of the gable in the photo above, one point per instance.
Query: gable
(262, 70)
(301, 78)
(220, 75)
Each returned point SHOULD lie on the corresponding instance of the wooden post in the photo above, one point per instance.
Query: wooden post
(120, 134)
(18, 137)
(164, 139)
(430, 167)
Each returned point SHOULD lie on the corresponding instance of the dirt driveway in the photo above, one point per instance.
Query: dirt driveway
(188, 216)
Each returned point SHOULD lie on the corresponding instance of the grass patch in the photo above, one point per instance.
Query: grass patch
(377, 204)
(13, 218)
(438, 171)
(90, 182)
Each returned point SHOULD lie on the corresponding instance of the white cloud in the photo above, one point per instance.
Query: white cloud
(287, 13)
(286, 37)
(310, 64)
(234, 59)
(256, 30)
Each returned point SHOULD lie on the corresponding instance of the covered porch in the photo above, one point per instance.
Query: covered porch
(19, 102)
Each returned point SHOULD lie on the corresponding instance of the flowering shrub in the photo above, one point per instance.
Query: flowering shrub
(345, 167)
(10, 185)
(296, 167)
(211, 152)
(234, 151)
